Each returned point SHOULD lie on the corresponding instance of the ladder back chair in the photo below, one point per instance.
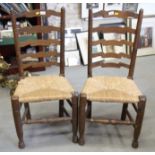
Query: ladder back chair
(108, 88)
(43, 87)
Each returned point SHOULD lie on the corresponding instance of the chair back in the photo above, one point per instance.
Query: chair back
(119, 42)
(47, 53)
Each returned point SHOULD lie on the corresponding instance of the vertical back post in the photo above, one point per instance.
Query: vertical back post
(134, 53)
(90, 44)
(17, 49)
(62, 61)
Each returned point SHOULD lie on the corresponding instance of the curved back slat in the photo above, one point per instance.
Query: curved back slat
(38, 12)
(112, 65)
(112, 42)
(39, 42)
(37, 29)
(116, 14)
(114, 30)
(111, 55)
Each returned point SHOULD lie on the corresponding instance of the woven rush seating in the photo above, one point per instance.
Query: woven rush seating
(111, 89)
(40, 88)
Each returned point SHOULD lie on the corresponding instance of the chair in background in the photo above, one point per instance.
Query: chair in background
(41, 88)
(113, 89)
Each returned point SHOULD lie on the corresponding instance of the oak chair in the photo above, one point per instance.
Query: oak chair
(44, 87)
(113, 89)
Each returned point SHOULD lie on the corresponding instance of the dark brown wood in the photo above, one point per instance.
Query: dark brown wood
(124, 110)
(75, 116)
(110, 121)
(137, 37)
(39, 35)
(112, 65)
(38, 29)
(82, 117)
(39, 12)
(17, 49)
(27, 107)
(66, 112)
(139, 120)
(122, 30)
(135, 107)
(112, 42)
(129, 116)
(111, 55)
(90, 43)
(47, 120)
(17, 120)
(61, 108)
(69, 102)
(89, 109)
(39, 42)
(62, 47)
(24, 115)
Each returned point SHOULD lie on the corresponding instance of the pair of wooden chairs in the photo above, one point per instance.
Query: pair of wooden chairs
(57, 87)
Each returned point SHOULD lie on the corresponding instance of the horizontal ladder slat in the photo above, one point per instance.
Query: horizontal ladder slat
(37, 12)
(38, 29)
(115, 13)
(111, 55)
(110, 64)
(40, 54)
(112, 42)
(47, 120)
(122, 30)
(39, 64)
(39, 42)
(110, 121)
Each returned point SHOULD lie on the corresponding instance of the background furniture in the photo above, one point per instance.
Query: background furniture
(108, 88)
(7, 49)
(42, 88)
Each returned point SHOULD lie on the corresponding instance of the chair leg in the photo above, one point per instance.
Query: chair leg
(89, 109)
(28, 115)
(75, 116)
(18, 121)
(82, 117)
(124, 109)
(139, 120)
(61, 108)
